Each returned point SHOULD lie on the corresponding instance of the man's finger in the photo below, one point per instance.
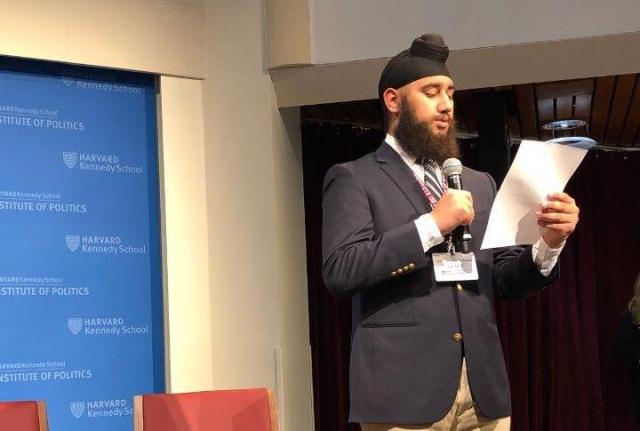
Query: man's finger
(561, 196)
(557, 218)
(555, 206)
(564, 228)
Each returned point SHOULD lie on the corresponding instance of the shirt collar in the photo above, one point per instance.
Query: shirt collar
(408, 159)
(393, 143)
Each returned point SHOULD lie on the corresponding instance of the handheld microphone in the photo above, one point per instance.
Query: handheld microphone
(452, 169)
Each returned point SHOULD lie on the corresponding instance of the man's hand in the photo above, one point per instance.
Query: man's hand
(559, 215)
(454, 208)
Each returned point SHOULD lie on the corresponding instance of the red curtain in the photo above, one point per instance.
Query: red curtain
(558, 345)
(323, 146)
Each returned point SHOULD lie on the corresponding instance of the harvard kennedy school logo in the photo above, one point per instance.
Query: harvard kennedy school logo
(73, 242)
(75, 325)
(70, 159)
(77, 408)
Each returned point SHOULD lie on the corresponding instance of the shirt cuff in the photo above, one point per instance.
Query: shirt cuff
(545, 257)
(428, 231)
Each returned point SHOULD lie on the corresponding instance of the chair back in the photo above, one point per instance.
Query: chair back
(224, 410)
(23, 416)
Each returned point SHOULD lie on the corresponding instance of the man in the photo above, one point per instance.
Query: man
(425, 353)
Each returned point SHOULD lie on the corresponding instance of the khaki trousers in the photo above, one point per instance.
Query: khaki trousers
(463, 416)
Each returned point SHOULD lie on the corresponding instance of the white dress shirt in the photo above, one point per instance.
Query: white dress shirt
(544, 256)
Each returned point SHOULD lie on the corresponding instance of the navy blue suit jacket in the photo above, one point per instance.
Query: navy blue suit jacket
(405, 363)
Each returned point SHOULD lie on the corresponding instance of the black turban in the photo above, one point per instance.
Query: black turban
(426, 57)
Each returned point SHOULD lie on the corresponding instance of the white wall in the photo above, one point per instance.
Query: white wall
(185, 231)
(145, 35)
(293, 315)
(492, 42)
(472, 68)
(256, 218)
(231, 176)
(288, 32)
(162, 37)
(351, 30)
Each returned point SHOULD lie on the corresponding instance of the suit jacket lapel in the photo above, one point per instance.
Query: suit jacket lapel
(398, 171)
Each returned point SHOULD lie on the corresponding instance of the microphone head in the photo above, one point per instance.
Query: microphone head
(451, 167)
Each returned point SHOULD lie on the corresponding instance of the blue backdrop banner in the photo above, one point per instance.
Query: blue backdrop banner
(80, 267)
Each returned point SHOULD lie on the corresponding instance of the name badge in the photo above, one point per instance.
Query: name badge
(455, 267)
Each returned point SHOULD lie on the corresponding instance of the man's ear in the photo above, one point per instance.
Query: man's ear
(391, 98)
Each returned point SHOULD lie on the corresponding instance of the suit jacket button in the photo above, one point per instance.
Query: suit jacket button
(457, 336)
(412, 266)
(393, 274)
(405, 268)
(399, 271)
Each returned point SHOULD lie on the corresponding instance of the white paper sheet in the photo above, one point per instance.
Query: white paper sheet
(539, 168)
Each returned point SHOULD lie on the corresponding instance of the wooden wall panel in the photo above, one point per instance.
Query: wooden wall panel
(610, 105)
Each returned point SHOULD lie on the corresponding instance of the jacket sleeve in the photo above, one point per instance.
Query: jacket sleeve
(515, 274)
(354, 257)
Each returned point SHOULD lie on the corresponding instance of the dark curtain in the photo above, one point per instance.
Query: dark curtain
(558, 345)
(324, 145)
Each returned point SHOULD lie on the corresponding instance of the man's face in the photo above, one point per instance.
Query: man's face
(431, 100)
(425, 125)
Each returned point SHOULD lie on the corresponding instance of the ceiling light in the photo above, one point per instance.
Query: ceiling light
(564, 125)
(575, 141)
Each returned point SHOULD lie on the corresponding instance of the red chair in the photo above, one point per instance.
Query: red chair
(23, 416)
(228, 410)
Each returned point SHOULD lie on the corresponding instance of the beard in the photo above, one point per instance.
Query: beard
(415, 137)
